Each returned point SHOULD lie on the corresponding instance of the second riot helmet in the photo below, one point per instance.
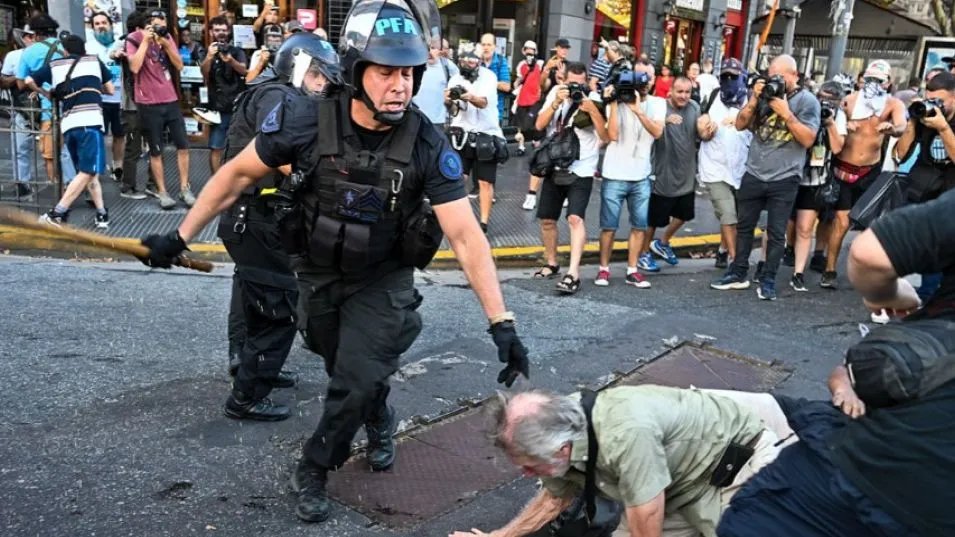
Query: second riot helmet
(303, 52)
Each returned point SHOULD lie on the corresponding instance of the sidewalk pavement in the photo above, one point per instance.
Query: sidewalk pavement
(513, 232)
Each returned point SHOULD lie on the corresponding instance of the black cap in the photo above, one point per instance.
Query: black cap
(562, 43)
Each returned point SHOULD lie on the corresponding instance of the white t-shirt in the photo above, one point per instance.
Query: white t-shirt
(10, 62)
(96, 48)
(586, 166)
(707, 83)
(629, 158)
(471, 118)
(723, 159)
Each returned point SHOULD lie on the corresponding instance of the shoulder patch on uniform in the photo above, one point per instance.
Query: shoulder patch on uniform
(450, 166)
(273, 122)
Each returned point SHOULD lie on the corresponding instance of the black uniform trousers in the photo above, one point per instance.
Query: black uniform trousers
(360, 328)
(264, 295)
(133, 151)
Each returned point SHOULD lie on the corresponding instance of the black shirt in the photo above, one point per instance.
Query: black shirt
(289, 134)
(921, 239)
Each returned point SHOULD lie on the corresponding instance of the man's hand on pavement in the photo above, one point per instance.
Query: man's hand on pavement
(905, 301)
(849, 402)
(510, 351)
(163, 249)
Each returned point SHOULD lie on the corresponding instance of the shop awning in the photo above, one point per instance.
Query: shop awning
(870, 20)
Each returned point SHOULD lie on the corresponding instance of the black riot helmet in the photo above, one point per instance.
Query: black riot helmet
(393, 33)
(302, 52)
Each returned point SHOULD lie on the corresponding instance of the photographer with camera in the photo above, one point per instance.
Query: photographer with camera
(930, 127)
(635, 121)
(475, 131)
(268, 17)
(262, 59)
(873, 114)
(784, 119)
(224, 70)
(152, 55)
(570, 106)
(722, 156)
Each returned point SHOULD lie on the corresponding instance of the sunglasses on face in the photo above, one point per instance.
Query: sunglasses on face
(729, 76)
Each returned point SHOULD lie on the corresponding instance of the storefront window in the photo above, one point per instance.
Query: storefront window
(681, 43)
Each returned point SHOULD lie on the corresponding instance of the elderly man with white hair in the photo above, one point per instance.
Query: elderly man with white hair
(784, 119)
(673, 457)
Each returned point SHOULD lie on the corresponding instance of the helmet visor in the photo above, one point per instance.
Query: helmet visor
(362, 22)
(303, 62)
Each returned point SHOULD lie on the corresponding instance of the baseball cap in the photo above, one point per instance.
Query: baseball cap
(529, 44)
(879, 69)
(731, 66)
(27, 30)
(293, 26)
(562, 43)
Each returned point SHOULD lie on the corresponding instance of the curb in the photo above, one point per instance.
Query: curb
(30, 242)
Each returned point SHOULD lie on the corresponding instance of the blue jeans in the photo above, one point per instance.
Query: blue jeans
(613, 192)
(24, 143)
(218, 133)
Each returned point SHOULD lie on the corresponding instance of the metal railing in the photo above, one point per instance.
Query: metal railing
(27, 180)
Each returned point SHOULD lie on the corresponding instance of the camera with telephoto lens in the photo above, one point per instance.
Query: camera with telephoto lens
(577, 91)
(227, 50)
(826, 110)
(160, 30)
(456, 92)
(926, 108)
(774, 87)
(626, 85)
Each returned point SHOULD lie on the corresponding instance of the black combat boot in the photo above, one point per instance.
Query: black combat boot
(309, 483)
(381, 443)
(240, 407)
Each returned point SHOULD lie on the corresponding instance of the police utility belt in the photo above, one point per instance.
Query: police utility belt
(359, 209)
(478, 146)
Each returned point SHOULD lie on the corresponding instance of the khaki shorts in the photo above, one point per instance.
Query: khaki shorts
(46, 140)
(723, 197)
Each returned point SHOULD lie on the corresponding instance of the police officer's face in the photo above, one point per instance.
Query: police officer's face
(314, 82)
(388, 88)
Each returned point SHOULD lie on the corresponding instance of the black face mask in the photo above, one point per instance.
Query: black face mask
(470, 74)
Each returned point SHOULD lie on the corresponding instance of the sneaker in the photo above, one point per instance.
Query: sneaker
(880, 318)
(730, 281)
(766, 290)
(722, 259)
(131, 193)
(187, 197)
(603, 278)
(521, 150)
(207, 116)
(24, 192)
(475, 191)
(530, 202)
(818, 262)
(118, 175)
(102, 220)
(798, 283)
(238, 408)
(152, 190)
(759, 271)
(309, 482)
(636, 280)
(664, 251)
(53, 218)
(828, 280)
(789, 257)
(166, 202)
(646, 263)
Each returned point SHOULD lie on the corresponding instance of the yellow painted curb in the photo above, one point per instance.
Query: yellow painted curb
(15, 238)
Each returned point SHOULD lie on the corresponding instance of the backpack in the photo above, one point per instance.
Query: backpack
(901, 362)
(30, 107)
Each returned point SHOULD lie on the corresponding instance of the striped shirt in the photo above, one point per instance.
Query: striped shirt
(83, 105)
(600, 69)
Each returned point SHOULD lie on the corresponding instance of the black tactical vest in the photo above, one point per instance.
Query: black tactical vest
(243, 127)
(355, 200)
(225, 86)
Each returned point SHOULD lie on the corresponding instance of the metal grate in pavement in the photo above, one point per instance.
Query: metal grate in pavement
(451, 461)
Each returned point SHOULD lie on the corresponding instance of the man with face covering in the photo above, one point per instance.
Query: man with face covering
(102, 43)
(475, 129)
(365, 160)
(873, 114)
(723, 155)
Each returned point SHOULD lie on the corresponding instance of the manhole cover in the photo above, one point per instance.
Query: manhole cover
(449, 463)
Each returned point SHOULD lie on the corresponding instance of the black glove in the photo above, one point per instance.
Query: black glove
(510, 351)
(163, 249)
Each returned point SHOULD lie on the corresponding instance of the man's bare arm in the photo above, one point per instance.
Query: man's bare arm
(543, 508)
(223, 189)
(647, 520)
(745, 117)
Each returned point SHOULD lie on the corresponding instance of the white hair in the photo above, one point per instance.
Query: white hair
(553, 422)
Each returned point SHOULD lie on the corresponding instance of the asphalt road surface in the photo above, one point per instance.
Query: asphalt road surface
(114, 378)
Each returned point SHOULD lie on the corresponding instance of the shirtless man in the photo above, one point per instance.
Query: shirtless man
(872, 114)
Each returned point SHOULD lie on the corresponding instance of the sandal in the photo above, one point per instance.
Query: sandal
(554, 271)
(569, 285)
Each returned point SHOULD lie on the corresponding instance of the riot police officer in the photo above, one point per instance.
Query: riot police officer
(366, 171)
(264, 291)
